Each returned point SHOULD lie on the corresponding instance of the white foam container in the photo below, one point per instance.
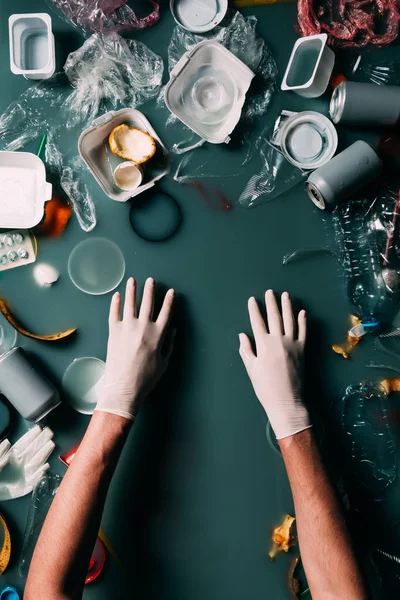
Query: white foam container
(91, 146)
(219, 58)
(23, 190)
(32, 49)
(310, 67)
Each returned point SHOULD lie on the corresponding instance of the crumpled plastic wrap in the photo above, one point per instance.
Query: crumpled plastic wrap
(380, 71)
(107, 72)
(99, 16)
(350, 23)
(368, 438)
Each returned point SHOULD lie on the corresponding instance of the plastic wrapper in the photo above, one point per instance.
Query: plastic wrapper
(41, 500)
(107, 72)
(350, 23)
(98, 16)
(364, 67)
(369, 441)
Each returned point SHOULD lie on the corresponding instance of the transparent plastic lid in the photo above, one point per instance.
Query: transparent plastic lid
(82, 383)
(96, 266)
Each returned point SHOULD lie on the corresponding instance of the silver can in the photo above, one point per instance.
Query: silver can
(370, 104)
(28, 390)
(346, 173)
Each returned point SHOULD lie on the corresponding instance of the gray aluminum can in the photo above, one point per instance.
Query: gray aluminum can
(28, 390)
(370, 104)
(343, 175)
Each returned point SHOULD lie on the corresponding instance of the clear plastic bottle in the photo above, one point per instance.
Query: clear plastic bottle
(369, 441)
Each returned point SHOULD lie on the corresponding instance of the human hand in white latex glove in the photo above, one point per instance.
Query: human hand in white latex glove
(135, 361)
(24, 464)
(276, 370)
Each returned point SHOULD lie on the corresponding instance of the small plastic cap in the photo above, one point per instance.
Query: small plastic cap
(9, 593)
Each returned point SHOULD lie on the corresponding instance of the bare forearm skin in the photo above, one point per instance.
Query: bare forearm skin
(328, 559)
(62, 554)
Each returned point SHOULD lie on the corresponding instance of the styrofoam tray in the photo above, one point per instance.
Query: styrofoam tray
(92, 146)
(23, 190)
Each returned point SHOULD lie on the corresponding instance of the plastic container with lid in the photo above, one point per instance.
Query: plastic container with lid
(198, 16)
(32, 49)
(23, 190)
(207, 90)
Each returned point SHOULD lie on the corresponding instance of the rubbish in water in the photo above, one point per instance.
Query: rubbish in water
(5, 548)
(128, 176)
(24, 464)
(155, 217)
(391, 557)
(40, 503)
(369, 442)
(96, 266)
(25, 387)
(356, 26)
(96, 153)
(17, 248)
(104, 15)
(351, 339)
(391, 385)
(254, 53)
(380, 72)
(282, 537)
(45, 275)
(342, 176)
(310, 67)
(6, 420)
(307, 139)
(132, 144)
(23, 190)
(9, 593)
(55, 337)
(305, 252)
(207, 90)
(56, 217)
(204, 17)
(96, 562)
(365, 104)
(372, 365)
(32, 48)
(82, 384)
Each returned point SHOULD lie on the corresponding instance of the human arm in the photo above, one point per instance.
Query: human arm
(134, 364)
(276, 371)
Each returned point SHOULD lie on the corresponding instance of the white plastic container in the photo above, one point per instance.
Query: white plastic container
(32, 49)
(23, 190)
(198, 16)
(92, 148)
(310, 67)
(207, 90)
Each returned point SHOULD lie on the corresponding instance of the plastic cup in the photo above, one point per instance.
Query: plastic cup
(82, 383)
(128, 176)
(96, 266)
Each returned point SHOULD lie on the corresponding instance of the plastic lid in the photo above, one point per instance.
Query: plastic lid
(198, 15)
(9, 593)
(96, 266)
(155, 217)
(82, 383)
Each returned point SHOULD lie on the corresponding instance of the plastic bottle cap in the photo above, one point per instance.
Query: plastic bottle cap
(9, 593)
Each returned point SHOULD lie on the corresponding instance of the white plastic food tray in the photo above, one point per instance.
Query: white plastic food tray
(32, 50)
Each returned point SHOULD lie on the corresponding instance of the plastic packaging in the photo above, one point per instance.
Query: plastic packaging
(361, 67)
(32, 48)
(356, 235)
(82, 383)
(369, 442)
(103, 15)
(357, 24)
(205, 17)
(96, 266)
(41, 500)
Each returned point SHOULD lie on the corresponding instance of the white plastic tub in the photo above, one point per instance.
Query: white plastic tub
(23, 190)
(92, 146)
(310, 67)
(32, 51)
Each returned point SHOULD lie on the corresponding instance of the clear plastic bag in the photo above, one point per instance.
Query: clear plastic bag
(41, 500)
(98, 16)
(368, 438)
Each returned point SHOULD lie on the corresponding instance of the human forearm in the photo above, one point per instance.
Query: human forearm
(63, 551)
(328, 559)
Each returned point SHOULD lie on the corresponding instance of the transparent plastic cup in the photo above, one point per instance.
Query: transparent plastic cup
(96, 266)
(82, 383)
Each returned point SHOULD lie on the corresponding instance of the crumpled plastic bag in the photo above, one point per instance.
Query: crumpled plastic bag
(107, 72)
(98, 16)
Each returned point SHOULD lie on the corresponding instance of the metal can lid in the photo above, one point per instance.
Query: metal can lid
(337, 103)
(198, 16)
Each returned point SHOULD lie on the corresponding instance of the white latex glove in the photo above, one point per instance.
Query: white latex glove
(135, 361)
(24, 464)
(276, 370)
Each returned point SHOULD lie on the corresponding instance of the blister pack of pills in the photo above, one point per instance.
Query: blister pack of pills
(17, 248)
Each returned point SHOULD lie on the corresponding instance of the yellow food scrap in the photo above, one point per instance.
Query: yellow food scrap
(44, 338)
(351, 341)
(5, 550)
(282, 537)
(391, 385)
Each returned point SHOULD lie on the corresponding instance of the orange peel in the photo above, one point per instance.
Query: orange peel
(5, 550)
(350, 342)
